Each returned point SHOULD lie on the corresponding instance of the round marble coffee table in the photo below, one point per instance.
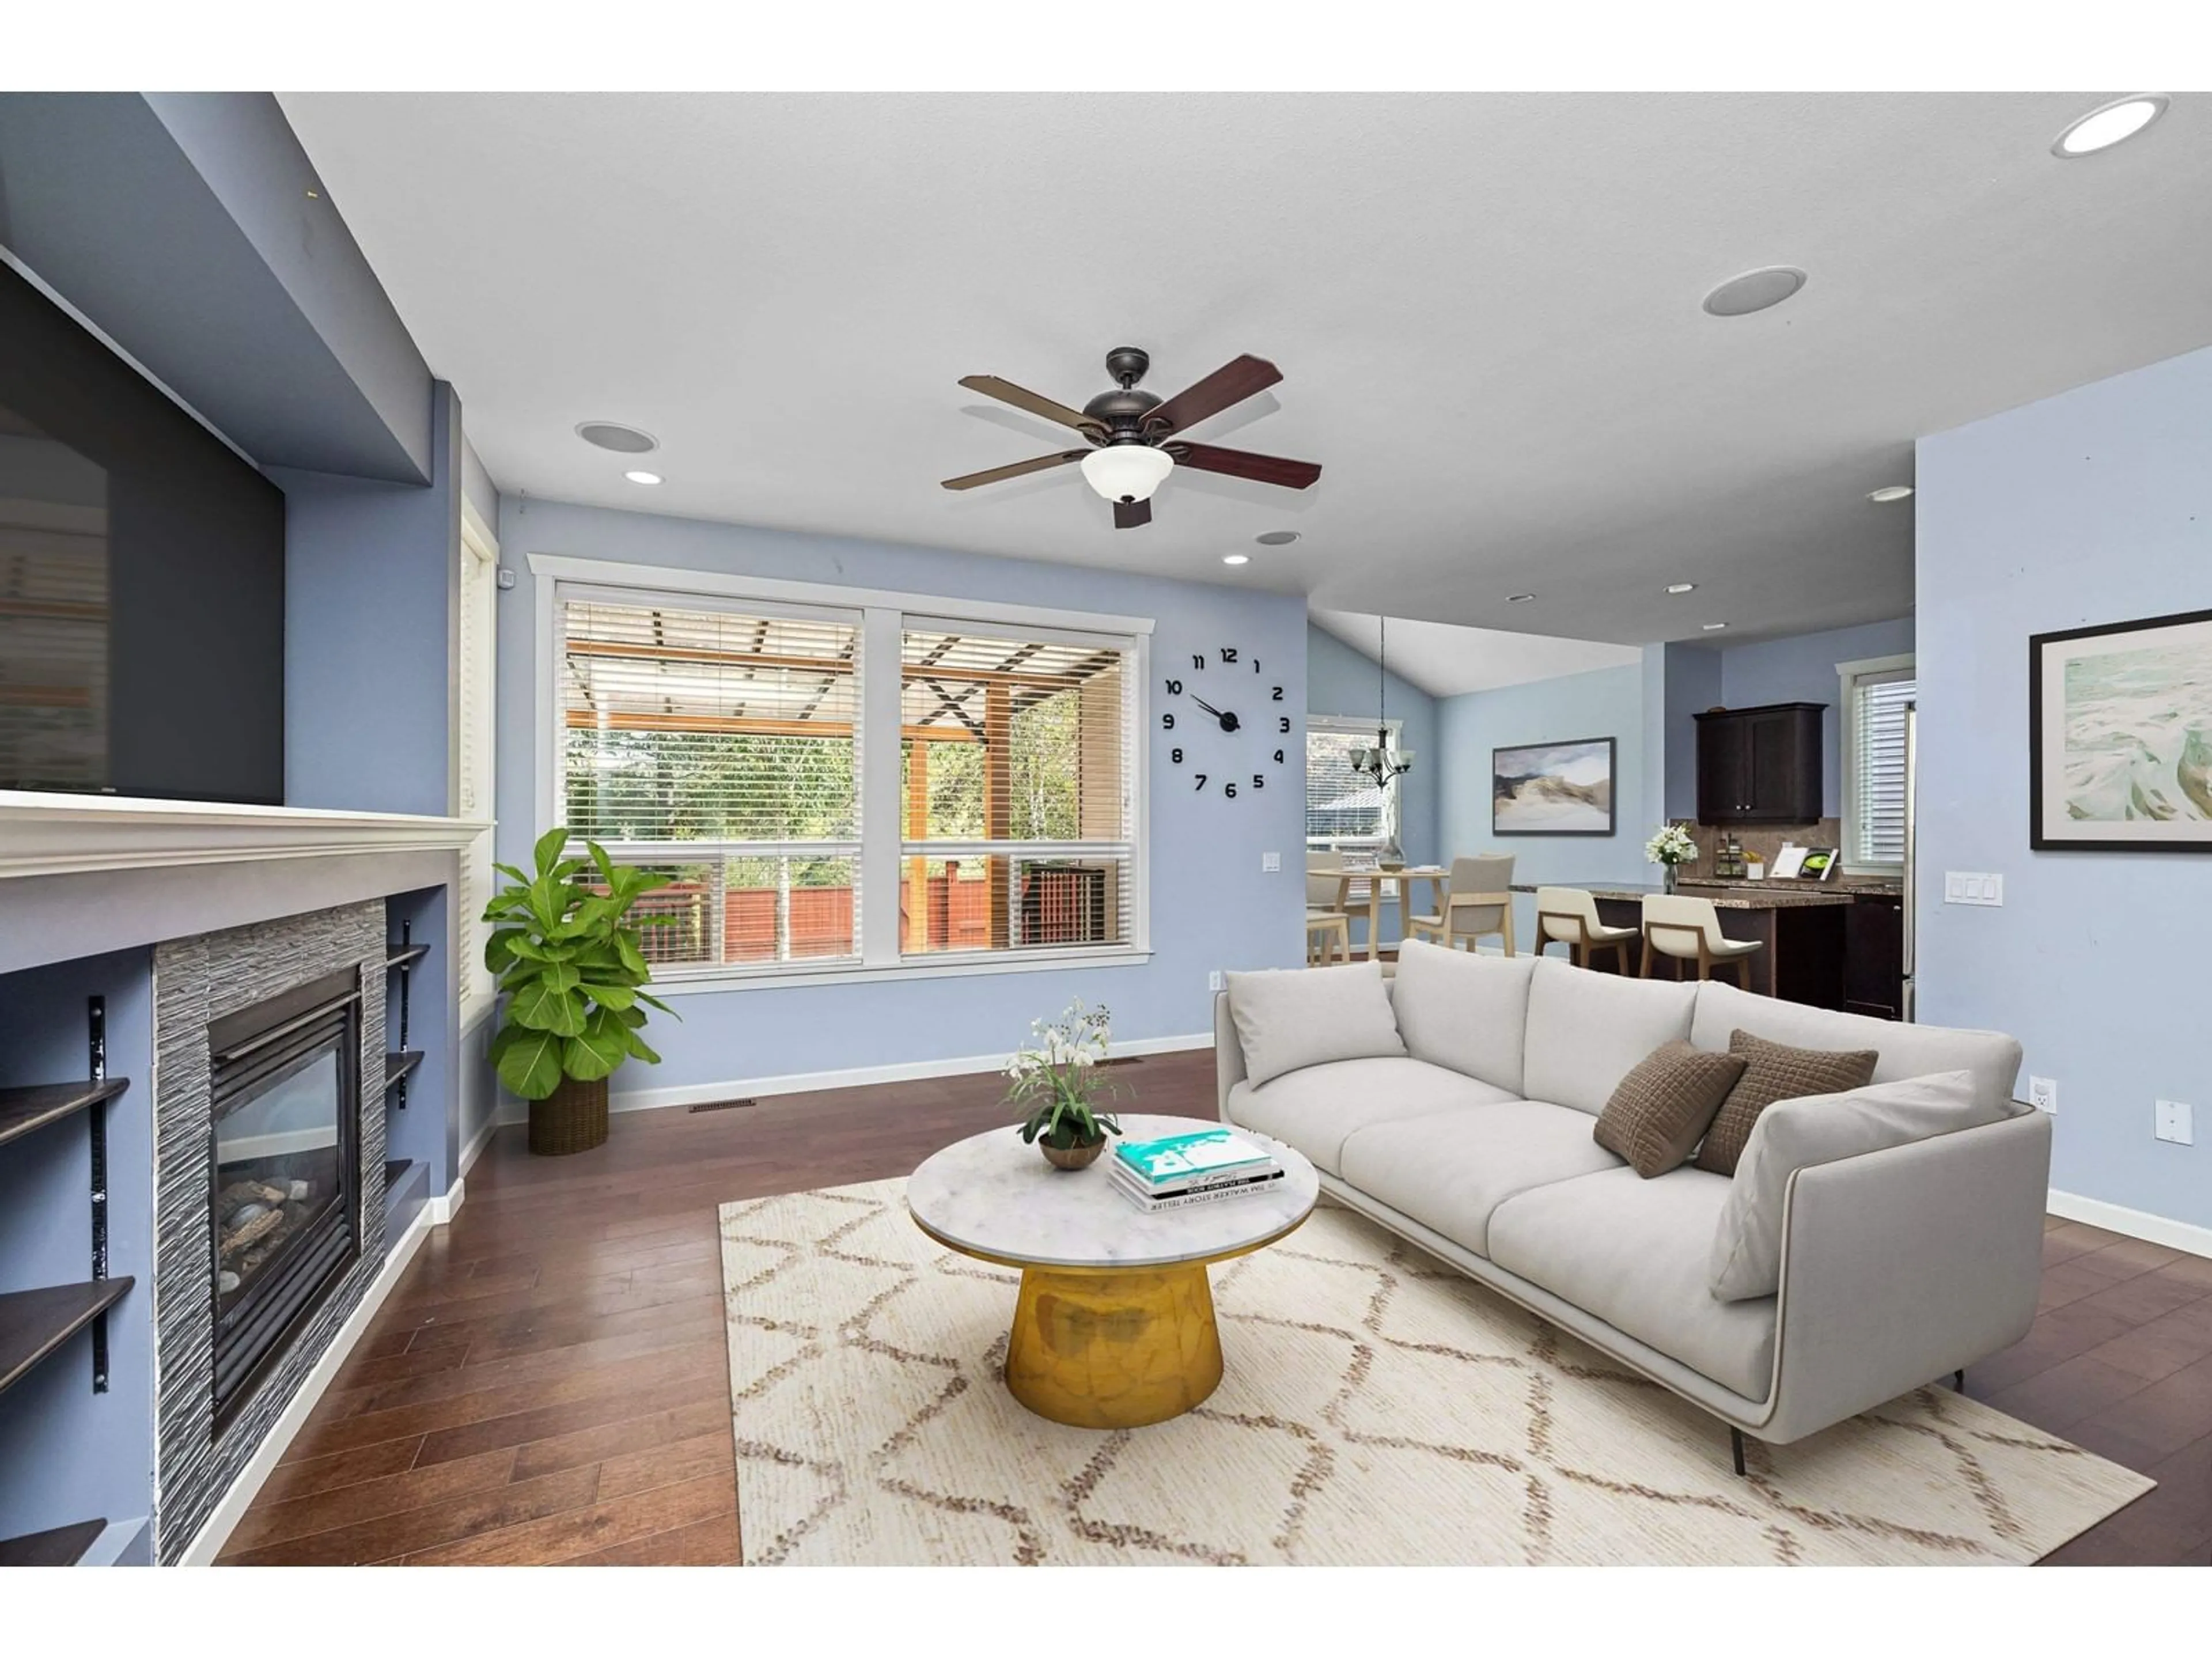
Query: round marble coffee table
(1113, 1326)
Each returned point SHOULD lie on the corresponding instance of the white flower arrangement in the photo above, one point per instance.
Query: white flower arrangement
(1671, 846)
(1056, 1076)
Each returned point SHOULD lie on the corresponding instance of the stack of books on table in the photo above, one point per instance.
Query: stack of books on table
(1201, 1168)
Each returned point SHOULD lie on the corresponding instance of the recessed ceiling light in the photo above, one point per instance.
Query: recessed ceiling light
(2107, 124)
(1755, 290)
(642, 478)
(1681, 587)
(1890, 492)
(1715, 628)
(1276, 537)
(1236, 558)
(1519, 599)
(613, 434)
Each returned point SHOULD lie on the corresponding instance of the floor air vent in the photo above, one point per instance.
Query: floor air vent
(721, 1105)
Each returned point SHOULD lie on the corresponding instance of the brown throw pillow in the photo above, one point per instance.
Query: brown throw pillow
(1660, 1108)
(1776, 1071)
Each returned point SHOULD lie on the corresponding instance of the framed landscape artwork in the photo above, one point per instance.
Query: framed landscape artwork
(2119, 734)
(1552, 788)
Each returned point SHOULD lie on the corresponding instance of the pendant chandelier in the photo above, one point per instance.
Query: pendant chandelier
(1383, 764)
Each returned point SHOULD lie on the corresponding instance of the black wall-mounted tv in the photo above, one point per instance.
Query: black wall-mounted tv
(142, 580)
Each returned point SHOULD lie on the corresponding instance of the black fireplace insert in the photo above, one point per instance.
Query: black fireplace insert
(284, 1170)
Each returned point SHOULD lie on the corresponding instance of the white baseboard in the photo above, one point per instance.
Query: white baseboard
(2135, 1224)
(215, 1532)
(440, 1209)
(799, 1083)
(474, 1150)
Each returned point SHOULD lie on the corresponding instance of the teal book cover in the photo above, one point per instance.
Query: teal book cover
(1171, 1158)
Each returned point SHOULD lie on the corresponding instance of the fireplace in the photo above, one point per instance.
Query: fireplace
(284, 1170)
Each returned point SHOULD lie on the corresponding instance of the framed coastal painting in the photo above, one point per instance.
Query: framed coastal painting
(2119, 734)
(1552, 788)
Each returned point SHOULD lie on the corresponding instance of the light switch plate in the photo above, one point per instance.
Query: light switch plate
(1270, 863)
(2173, 1122)
(1214, 980)
(2042, 1094)
(1973, 887)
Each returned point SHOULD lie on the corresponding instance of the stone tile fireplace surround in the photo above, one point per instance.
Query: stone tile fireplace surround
(198, 980)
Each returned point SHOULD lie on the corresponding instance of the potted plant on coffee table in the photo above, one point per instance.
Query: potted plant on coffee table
(1058, 1079)
(572, 970)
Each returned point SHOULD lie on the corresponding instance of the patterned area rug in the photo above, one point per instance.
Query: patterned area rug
(1377, 1408)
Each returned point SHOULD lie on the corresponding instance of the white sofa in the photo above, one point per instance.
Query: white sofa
(1899, 1267)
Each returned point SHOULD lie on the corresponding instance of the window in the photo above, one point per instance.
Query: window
(1345, 808)
(865, 786)
(1877, 696)
(473, 757)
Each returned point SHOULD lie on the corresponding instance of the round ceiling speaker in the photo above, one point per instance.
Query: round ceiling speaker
(1276, 537)
(1755, 290)
(612, 434)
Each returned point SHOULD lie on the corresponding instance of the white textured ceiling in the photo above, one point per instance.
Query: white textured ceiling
(1486, 308)
(1446, 659)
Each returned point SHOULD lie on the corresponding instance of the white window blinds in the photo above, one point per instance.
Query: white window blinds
(1345, 808)
(1876, 765)
(1017, 766)
(721, 747)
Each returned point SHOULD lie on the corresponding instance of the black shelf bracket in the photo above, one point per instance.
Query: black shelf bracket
(406, 963)
(96, 1023)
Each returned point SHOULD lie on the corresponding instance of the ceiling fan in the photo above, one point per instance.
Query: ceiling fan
(1134, 436)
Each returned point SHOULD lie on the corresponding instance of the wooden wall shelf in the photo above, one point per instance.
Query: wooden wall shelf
(399, 1067)
(33, 1323)
(22, 1110)
(406, 956)
(58, 1547)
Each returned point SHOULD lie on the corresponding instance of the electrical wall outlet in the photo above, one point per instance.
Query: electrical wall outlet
(1973, 887)
(2042, 1094)
(2173, 1123)
(1214, 980)
(1270, 863)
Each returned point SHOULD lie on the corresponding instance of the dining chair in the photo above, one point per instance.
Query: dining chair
(1689, 929)
(1569, 914)
(1477, 903)
(1326, 921)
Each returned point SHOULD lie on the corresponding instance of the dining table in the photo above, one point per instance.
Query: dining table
(1375, 879)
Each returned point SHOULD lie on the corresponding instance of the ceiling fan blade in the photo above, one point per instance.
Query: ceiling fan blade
(1231, 383)
(1021, 398)
(1244, 463)
(1018, 469)
(1127, 515)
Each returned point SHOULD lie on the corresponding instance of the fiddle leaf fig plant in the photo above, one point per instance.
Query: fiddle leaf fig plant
(567, 958)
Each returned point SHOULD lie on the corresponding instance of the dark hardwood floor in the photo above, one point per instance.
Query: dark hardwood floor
(548, 1381)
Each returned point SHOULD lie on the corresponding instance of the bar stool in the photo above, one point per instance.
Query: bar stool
(1478, 901)
(1569, 914)
(1327, 921)
(1689, 929)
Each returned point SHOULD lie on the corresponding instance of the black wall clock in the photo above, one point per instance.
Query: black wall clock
(1227, 725)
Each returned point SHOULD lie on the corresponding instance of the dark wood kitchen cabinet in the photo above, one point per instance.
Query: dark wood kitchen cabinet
(1760, 765)
(1874, 956)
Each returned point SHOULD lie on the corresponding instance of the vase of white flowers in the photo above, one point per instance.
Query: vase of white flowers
(1057, 1079)
(1671, 848)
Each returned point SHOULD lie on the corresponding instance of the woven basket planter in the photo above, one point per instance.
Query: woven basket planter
(572, 1119)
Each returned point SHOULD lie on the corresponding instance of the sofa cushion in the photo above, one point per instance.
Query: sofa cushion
(1776, 1071)
(1635, 1253)
(1289, 1018)
(1664, 1105)
(1587, 1031)
(1452, 1170)
(1903, 1050)
(1792, 1134)
(1316, 1108)
(1463, 1010)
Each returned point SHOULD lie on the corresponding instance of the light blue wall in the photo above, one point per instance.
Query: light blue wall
(1693, 684)
(1211, 907)
(1606, 702)
(1341, 681)
(1802, 669)
(2092, 507)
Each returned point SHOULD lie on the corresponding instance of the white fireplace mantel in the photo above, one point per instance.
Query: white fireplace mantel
(63, 835)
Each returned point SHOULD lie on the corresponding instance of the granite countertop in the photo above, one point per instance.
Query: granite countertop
(1751, 895)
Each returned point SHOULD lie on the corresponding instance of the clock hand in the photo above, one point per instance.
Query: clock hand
(1208, 706)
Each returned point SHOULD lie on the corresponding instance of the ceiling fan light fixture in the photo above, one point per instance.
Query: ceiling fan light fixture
(1128, 472)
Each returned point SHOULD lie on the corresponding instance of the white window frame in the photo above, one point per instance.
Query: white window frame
(475, 987)
(1848, 676)
(1360, 726)
(885, 616)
